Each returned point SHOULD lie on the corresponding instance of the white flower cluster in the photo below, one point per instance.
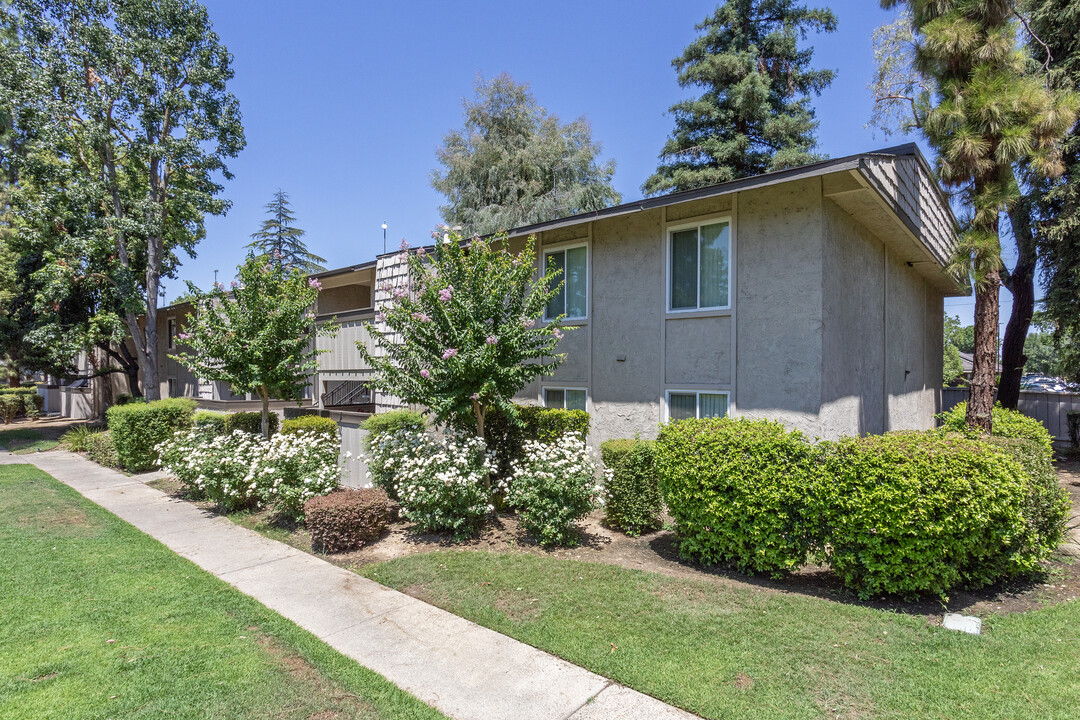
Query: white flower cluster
(242, 469)
(439, 481)
(553, 486)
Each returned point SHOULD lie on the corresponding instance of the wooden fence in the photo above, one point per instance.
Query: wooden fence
(1047, 408)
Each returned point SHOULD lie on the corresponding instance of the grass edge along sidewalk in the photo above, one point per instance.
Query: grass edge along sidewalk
(101, 620)
(732, 650)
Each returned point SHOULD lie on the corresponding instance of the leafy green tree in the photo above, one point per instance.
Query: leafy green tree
(1054, 217)
(463, 335)
(280, 240)
(953, 367)
(513, 164)
(985, 109)
(755, 113)
(134, 123)
(258, 336)
(1041, 357)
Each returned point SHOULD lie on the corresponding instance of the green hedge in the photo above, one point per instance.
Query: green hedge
(394, 421)
(100, 448)
(249, 422)
(633, 502)
(1003, 423)
(10, 406)
(1046, 505)
(32, 390)
(506, 438)
(737, 489)
(209, 422)
(911, 513)
(33, 405)
(137, 429)
(310, 423)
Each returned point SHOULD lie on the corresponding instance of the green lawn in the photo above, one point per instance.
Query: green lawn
(24, 440)
(98, 620)
(735, 651)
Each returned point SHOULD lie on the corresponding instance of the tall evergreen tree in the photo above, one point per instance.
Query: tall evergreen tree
(1055, 206)
(986, 111)
(280, 240)
(514, 164)
(755, 113)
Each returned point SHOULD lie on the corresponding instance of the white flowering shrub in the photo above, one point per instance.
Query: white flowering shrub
(294, 468)
(242, 470)
(439, 481)
(553, 486)
(220, 469)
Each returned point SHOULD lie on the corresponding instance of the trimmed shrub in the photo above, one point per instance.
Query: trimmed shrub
(1003, 423)
(10, 406)
(249, 422)
(123, 399)
(1047, 504)
(138, 428)
(506, 438)
(209, 423)
(221, 468)
(33, 405)
(737, 490)
(295, 467)
(910, 513)
(346, 519)
(632, 499)
(553, 485)
(100, 448)
(385, 432)
(310, 424)
(20, 391)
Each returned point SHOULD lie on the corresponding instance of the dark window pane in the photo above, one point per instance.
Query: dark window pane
(682, 406)
(684, 258)
(713, 405)
(557, 305)
(554, 398)
(575, 399)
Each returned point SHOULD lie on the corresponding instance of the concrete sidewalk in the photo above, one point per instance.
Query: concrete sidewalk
(466, 671)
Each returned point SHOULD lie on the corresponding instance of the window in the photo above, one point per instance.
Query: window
(172, 332)
(572, 297)
(171, 385)
(564, 398)
(688, 404)
(700, 262)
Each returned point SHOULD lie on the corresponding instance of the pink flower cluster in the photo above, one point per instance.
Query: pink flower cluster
(425, 374)
(449, 353)
(398, 293)
(558, 334)
(491, 340)
(421, 317)
(314, 282)
(446, 293)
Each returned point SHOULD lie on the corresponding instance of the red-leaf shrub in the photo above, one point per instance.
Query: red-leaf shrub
(346, 519)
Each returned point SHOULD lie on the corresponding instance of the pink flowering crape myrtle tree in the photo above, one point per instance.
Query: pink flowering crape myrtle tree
(258, 336)
(463, 334)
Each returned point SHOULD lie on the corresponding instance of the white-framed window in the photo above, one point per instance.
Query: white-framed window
(172, 332)
(573, 297)
(699, 266)
(564, 398)
(689, 404)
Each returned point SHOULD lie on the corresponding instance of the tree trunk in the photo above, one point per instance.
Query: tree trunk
(984, 365)
(1021, 283)
(265, 412)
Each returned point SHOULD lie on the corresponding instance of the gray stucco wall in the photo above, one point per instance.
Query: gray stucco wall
(779, 266)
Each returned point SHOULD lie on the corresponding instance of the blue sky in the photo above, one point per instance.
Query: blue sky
(345, 103)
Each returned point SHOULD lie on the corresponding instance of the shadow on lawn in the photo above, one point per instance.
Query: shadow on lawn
(818, 581)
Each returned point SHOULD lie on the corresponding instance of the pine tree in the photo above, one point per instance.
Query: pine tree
(279, 240)
(755, 113)
(985, 111)
(513, 164)
(1055, 207)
